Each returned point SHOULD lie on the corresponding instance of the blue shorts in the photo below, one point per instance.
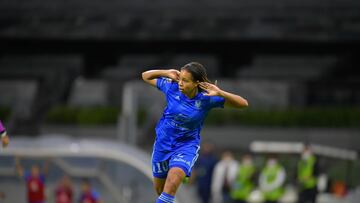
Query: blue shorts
(183, 158)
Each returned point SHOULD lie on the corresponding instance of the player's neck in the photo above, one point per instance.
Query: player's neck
(192, 94)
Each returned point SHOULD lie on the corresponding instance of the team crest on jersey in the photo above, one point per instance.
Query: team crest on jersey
(198, 104)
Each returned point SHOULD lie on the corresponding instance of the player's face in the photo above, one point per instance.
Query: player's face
(187, 85)
(85, 187)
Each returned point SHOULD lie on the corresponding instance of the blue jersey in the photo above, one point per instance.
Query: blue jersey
(183, 118)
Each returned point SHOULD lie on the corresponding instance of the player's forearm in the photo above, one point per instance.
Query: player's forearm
(152, 74)
(19, 170)
(46, 166)
(233, 100)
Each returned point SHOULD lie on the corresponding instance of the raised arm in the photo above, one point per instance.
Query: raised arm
(151, 75)
(231, 100)
(19, 168)
(46, 167)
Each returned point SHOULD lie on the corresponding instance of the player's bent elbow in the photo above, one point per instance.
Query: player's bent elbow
(245, 103)
(241, 104)
(143, 76)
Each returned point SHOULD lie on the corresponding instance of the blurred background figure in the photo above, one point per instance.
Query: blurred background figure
(223, 178)
(307, 176)
(203, 170)
(2, 196)
(244, 183)
(64, 192)
(271, 181)
(35, 181)
(339, 189)
(88, 194)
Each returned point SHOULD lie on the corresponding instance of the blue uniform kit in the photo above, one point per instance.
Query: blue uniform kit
(177, 140)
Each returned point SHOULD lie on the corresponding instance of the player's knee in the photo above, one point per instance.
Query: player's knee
(174, 180)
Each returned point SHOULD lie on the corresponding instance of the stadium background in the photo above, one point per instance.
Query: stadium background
(70, 74)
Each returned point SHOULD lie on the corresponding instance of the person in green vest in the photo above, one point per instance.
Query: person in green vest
(244, 182)
(272, 179)
(307, 172)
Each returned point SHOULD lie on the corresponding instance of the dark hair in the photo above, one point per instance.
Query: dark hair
(197, 71)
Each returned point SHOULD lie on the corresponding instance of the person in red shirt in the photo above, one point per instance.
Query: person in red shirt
(35, 182)
(88, 195)
(64, 191)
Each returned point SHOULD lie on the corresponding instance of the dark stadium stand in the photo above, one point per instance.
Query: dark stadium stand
(79, 19)
(288, 68)
(72, 68)
(52, 76)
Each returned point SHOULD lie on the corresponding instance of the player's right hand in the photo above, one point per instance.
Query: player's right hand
(174, 74)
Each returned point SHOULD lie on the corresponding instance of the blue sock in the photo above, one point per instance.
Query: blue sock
(165, 198)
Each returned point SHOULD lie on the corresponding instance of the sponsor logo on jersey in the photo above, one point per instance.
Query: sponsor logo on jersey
(182, 160)
(197, 104)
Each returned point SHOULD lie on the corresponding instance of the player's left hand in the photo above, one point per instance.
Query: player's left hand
(5, 141)
(211, 89)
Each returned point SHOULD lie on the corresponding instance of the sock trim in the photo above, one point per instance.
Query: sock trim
(166, 198)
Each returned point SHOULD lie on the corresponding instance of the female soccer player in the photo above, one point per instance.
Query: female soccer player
(190, 96)
(4, 136)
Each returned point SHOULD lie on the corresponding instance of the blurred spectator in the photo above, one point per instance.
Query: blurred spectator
(203, 171)
(307, 176)
(272, 178)
(64, 191)
(244, 183)
(223, 178)
(35, 181)
(2, 196)
(338, 188)
(88, 194)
